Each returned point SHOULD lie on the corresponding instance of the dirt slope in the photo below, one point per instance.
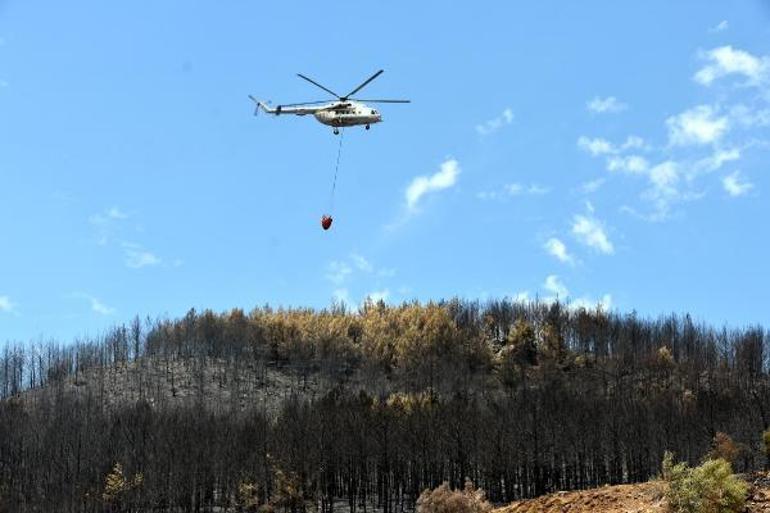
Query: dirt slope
(639, 498)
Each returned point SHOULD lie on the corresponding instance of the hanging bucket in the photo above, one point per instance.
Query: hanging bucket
(326, 222)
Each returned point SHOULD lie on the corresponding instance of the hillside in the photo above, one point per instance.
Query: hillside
(301, 409)
(635, 498)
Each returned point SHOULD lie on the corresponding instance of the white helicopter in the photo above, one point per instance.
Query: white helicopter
(342, 112)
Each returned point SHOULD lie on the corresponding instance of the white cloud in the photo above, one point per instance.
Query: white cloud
(97, 306)
(116, 213)
(521, 296)
(665, 176)
(633, 164)
(338, 271)
(592, 186)
(137, 257)
(558, 249)
(495, 124)
(536, 190)
(514, 189)
(750, 117)
(587, 303)
(378, 295)
(6, 305)
(725, 61)
(445, 178)
(602, 105)
(736, 185)
(665, 179)
(106, 223)
(361, 263)
(720, 27)
(555, 287)
(597, 146)
(104, 218)
(100, 308)
(342, 296)
(699, 125)
(590, 231)
(633, 142)
(713, 162)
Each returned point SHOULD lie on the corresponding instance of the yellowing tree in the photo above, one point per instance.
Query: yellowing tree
(117, 486)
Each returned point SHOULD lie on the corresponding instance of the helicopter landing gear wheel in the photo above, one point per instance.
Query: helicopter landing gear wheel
(336, 131)
(367, 127)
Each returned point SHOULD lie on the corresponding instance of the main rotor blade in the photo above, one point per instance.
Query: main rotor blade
(300, 75)
(319, 102)
(354, 91)
(382, 101)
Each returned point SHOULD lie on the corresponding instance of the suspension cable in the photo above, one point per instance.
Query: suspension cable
(336, 169)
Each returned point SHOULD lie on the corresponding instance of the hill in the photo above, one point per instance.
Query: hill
(635, 498)
(302, 409)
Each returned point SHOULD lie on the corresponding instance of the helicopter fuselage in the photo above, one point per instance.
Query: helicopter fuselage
(351, 114)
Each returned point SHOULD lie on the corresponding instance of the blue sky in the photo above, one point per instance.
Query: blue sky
(608, 152)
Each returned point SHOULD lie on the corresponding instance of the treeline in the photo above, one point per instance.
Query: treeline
(522, 399)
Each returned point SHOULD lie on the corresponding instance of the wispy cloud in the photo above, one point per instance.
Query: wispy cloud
(378, 295)
(590, 231)
(493, 125)
(97, 306)
(747, 117)
(720, 27)
(512, 190)
(716, 160)
(588, 303)
(342, 295)
(521, 297)
(106, 223)
(352, 272)
(592, 186)
(445, 178)
(137, 257)
(361, 263)
(697, 126)
(7, 306)
(555, 287)
(735, 185)
(633, 164)
(337, 272)
(558, 249)
(556, 290)
(596, 146)
(726, 60)
(605, 105)
(111, 214)
(664, 190)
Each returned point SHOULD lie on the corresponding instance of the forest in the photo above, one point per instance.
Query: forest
(299, 410)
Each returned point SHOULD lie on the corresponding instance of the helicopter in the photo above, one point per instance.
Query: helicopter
(345, 111)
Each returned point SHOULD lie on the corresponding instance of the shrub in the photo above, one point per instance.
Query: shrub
(709, 488)
(722, 446)
(445, 500)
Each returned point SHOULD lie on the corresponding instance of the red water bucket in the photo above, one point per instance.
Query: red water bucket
(326, 222)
